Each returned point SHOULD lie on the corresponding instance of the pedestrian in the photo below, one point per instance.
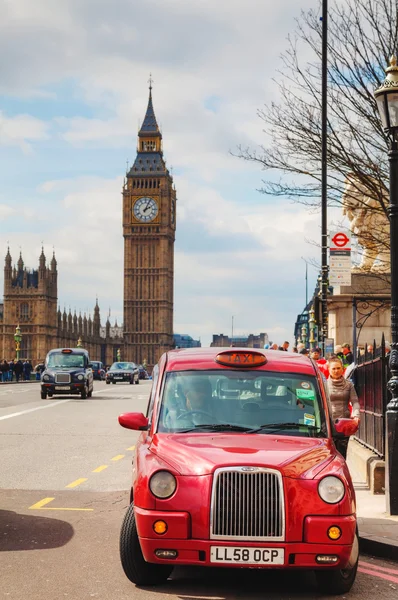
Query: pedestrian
(338, 351)
(320, 361)
(295, 349)
(341, 393)
(304, 351)
(18, 369)
(11, 365)
(285, 346)
(348, 355)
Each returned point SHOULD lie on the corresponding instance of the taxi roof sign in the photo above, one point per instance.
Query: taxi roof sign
(241, 358)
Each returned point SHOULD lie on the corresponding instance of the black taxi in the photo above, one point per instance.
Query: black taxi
(66, 372)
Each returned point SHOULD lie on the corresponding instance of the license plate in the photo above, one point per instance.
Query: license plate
(118, 377)
(62, 387)
(248, 556)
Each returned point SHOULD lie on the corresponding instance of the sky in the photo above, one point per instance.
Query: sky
(73, 93)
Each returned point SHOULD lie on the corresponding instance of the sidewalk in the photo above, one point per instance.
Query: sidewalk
(378, 532)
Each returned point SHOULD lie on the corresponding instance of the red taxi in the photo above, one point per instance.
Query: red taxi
(236, 466)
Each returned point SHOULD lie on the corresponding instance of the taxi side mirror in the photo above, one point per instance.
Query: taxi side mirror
(346, 427)
(135, 421)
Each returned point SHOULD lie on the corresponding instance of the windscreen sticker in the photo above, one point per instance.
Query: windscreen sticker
(305, 384)
(305, 394)
(309, 419)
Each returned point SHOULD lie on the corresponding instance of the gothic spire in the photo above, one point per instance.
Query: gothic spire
(149, 126)
(8, 258)
(20, 262)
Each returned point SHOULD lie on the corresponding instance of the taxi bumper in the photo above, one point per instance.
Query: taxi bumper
(59, 388)
(299, 554)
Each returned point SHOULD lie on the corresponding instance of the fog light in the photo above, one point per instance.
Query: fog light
(334, 532)
(326, 558)
(160, 527)
(166, 553)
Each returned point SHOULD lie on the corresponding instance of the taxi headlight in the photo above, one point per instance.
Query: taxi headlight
(331, 489)
(46, 377)
(162, 484)
(80, 377)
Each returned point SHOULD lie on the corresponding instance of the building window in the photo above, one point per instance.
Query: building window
(24, 312)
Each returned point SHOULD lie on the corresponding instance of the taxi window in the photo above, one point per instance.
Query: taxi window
(155, 375)
(68, 361)
(288, 403)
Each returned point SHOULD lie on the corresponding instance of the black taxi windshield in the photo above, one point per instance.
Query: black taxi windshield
(249, 402)
(58, 360)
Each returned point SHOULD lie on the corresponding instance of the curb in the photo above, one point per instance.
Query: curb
(18, 382)
(378, 547)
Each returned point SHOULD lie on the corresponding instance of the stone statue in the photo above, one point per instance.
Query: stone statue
(370, 225)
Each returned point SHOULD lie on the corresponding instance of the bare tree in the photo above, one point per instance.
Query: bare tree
(362, 37)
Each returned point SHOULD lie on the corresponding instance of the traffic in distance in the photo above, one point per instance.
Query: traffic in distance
(236, 466)
(69, 371)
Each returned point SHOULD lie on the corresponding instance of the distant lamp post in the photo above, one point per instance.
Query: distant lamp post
(312, 326)
(118, 355)
(387, 102)
(304, 334)
(144, 363)
(79, 343)
(17, 339)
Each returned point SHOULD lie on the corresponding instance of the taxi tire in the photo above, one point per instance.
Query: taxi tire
(89, 393)
(83, 394)
(137, 381)
(107, 382)
(43, 395)
(339, 581)
(134, 565)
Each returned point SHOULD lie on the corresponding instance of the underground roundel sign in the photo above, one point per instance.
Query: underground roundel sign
(340, 240)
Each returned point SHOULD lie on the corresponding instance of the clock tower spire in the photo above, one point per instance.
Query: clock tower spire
(149, 208)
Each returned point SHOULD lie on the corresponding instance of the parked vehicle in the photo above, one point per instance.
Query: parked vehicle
(123, 371)
(236, 466)
(67, 372)
(98, 369)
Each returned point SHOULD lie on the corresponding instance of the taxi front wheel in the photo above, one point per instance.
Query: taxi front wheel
(134, 565)
(340, 582)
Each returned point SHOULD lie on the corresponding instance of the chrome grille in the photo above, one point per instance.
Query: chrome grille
(62, 378)
(247, 502)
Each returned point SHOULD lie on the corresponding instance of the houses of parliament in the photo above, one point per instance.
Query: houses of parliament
(149, 223)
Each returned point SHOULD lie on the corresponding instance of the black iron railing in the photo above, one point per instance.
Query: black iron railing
(370, 378)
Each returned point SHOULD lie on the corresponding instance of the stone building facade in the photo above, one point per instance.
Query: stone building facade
(30, 301)
(149, 222)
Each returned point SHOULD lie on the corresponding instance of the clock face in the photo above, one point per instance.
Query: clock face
(145, 209)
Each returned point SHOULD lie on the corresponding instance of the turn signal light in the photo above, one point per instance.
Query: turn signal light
(326, 558)
(166, 553)
(160, 527)
(334, 532)
(241, 358)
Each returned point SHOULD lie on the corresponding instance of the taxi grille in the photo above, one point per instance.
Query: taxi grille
(62, 378)
(247, 502)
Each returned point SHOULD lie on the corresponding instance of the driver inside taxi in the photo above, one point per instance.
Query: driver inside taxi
(196, 404)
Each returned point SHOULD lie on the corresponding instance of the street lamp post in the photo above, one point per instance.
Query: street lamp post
(17, 339)
(387, 101)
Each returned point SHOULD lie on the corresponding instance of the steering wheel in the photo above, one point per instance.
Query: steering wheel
(194, 412)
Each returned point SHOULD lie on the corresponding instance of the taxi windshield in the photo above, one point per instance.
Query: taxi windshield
(252, 402)
(68, 361)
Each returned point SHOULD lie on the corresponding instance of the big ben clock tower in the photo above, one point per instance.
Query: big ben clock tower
(149, 220)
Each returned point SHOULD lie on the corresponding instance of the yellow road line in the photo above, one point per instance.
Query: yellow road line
(118, 457)
(76, 483)
(41, 503)
(131, 448)
(78, 509)
(101, 468)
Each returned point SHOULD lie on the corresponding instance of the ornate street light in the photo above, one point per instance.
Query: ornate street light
(118, 355)
(79, 343)
(17, 339)
(387, 102)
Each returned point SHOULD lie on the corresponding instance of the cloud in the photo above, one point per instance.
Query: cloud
(20, 130)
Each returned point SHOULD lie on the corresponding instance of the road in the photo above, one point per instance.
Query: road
(65, 471)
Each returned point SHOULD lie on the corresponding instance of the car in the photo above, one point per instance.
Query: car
(123, 371)
(67, 372)
(98, 369)
(236, 466)
(143, 372)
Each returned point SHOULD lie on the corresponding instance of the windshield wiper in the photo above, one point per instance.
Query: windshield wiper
(275, 427)
(218, 427)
